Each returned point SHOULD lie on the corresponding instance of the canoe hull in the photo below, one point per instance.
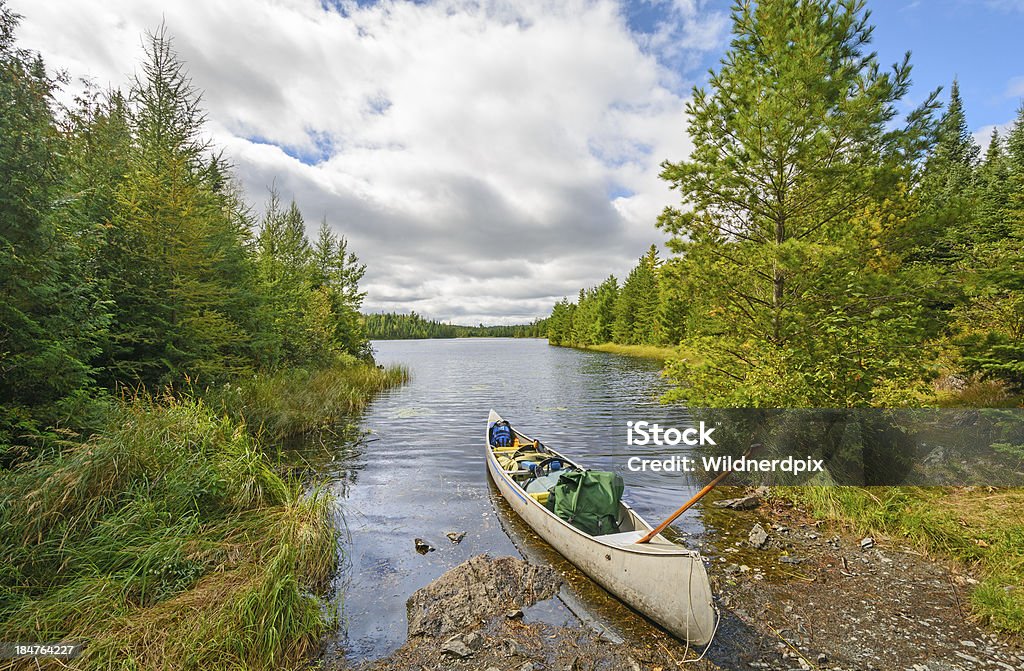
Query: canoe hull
(661, 580)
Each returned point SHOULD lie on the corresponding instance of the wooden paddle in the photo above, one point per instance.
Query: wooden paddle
(701, 494)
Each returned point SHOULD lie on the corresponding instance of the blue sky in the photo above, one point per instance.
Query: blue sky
(979, 41)
(484, 158)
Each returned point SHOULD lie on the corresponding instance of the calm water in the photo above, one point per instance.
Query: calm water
(419, 472)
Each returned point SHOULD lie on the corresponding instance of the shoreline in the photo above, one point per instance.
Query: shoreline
(819, 594)
(813, 596)
(182, 518)
(652, 352)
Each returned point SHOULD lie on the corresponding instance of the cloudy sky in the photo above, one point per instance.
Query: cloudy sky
(484, 158)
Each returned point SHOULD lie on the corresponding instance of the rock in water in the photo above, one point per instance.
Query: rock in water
(456, 536)
(475, 591)
(758, 537)
(422, 546)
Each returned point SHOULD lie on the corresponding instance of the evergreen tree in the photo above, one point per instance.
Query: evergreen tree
(673, 304)
(945, 228)
(991, 322)
(603, 311)
(171, 236)
(637, 303)
(48, 331)
(645, 328)
(795, 178)
(285, 274)
(993, 179)
(338, 272)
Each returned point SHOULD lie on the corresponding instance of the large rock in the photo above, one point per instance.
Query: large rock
(475, 591)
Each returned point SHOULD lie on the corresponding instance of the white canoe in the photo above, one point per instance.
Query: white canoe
(661, 580)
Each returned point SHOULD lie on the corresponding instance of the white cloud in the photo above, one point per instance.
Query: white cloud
(1007, 5)
(1015, 88)
(483, 158)
(983, 136)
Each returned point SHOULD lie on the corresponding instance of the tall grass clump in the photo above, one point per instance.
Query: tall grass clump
(980, 527)
(168, 541)
(297, 401)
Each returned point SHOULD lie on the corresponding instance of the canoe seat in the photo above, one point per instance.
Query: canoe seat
(539, 497)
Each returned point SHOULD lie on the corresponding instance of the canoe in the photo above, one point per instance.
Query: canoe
(663, 581)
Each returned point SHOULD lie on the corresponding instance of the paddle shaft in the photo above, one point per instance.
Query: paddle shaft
(707, 488)
(672, 518)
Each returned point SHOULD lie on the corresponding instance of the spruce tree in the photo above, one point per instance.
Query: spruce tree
(947, 192)
(48, 325)
(991, 323)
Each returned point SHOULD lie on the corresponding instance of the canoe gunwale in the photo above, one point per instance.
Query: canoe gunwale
(634, 573)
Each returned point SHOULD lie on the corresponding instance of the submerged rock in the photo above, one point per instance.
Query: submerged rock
(476, 591)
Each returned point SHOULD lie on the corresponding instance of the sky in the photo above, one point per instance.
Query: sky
(484, 158)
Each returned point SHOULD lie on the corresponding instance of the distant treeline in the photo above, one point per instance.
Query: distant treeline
(647, 309)
(394, 326)
(826, 253)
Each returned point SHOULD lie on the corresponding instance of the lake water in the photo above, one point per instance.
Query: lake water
(419, 472)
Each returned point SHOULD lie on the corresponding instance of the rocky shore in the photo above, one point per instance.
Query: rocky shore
(804, 595)
(475, 616)
(794, 593)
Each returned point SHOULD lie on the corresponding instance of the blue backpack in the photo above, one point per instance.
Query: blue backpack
(501, 434)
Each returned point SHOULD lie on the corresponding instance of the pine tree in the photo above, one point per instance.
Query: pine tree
(796, 175)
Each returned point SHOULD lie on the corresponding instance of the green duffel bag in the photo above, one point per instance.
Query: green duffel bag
(589, 500)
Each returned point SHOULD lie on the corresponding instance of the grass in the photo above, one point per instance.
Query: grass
(981, 528)
(295, 402)
(170, 540)
(655, 352)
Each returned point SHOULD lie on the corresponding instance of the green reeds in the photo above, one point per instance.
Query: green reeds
(294, 402)
(167, 542)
